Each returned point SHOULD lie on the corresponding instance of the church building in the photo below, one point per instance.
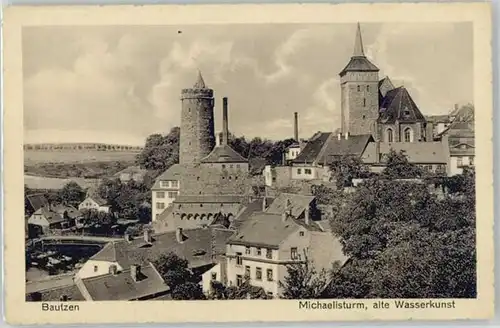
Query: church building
(377, 107)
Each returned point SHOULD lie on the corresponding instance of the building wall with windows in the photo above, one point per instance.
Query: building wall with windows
(307, 172)
(458, 163)
(163, 196)
(261, 264)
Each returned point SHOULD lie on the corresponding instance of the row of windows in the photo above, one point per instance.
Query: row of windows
(460, 160)
(169, 184)
(258, 273)
(170, 194)
(306, 171)
(294, 254)
(231, 166)
(367, 88)
(258, 252)
(160, 206)
(407, 135)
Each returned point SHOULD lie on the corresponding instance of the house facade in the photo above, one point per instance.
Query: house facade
(95, 203)
(49, 219)
(261, 250)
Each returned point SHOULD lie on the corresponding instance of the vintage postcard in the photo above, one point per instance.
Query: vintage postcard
(243, 163)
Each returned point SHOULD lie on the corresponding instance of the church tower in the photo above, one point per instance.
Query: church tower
(359, 92)
(197, 123)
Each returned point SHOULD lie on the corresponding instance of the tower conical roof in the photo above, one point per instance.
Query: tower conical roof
(359, 62)
(358, 44)
(200, 83)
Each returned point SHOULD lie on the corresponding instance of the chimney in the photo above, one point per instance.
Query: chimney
(113, 269)
(135, 272)
(339, 136)
(307, 215)
(264, 204)
(128, 238)
(456, 107)
(284, 216)
(296, 127)
(178, 235)
(346, 135)
(377, 151)
(147, 236)
(225, 125)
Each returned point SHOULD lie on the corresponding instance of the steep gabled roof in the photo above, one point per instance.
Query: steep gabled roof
(37, 201)
(122, 287)
(294, 202)
(324, 147)
(137, 251)
(264, 229)
(223, 154)
(385, 85)
(352, 146)
(398, 105)
(313, 148)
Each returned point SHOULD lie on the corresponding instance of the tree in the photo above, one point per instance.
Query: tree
(346, 168)
(303, 281)
(160, 152)
(178, 277)
(188, 291)
(404, 242)
(72, 194)
(398, 167)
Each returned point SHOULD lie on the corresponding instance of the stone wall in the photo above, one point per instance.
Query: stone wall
(359, 102)
(197, 137)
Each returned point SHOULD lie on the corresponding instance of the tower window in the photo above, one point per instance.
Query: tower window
(359, 88)
(390, 135)
(364, 102)
(367, 88)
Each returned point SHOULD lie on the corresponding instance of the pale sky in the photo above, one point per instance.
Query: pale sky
(119, 84)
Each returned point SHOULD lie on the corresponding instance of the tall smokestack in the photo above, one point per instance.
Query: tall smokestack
(296, 127)
(225, 125)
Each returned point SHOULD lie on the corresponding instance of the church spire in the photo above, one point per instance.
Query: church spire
(358, 44)
(200, 83)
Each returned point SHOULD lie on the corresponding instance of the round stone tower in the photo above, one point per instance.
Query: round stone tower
(197, 123)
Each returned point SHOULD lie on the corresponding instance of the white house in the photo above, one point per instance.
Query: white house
(94, 203)
(165, 190)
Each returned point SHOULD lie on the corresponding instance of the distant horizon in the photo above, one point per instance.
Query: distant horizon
(120, 84)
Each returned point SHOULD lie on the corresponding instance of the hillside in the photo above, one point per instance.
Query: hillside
(81, 146)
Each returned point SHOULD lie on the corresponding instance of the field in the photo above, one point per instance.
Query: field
(38, 157)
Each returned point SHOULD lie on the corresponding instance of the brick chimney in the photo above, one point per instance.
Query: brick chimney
(377, 151)
(225, 124)
(147, 236)
(284, 216)
(113, 269)
(178, 235)
(135, 272)
(307, 218)
(296, 127)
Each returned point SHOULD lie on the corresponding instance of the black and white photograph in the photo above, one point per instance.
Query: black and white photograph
(235, 162)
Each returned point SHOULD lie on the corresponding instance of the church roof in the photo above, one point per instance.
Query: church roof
(398, 105)
(200, 83)
(224, 154)
(359, 62)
